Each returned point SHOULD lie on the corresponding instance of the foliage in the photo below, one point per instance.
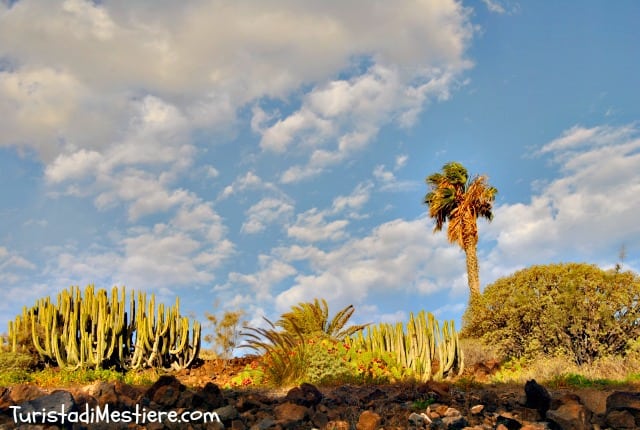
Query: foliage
(95, 330)
(226, 332)
(576, 311)
(385, 354)
(459, 200)
(283, 353)
(422, 347)
(311, 319)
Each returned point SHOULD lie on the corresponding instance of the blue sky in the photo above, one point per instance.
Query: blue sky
(256, 155)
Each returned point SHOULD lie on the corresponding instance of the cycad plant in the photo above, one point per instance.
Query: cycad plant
(313, 319)
(288, 346)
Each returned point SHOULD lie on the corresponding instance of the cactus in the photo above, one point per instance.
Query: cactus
(95, 330)
(415, 347)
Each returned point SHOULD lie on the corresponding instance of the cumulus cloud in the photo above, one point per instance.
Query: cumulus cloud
(271, 272)
(341, 118)
(266, 211)
(590, 207)
(388, 180)
(398, 255)
(311, 226)
(11, 264)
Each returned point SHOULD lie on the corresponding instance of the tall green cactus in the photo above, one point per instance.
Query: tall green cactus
(95, 330)
(418, 347)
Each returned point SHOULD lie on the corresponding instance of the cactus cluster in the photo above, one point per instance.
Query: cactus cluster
(95, 330)
(422, 347)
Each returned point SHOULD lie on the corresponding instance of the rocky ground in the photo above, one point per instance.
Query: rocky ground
(432, 405)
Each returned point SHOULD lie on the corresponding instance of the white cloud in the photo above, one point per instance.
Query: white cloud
(11, 264)
(250, 181)
(397, 255)
(401, 161)
(266, 211)
(340, 118)
(311, 226)
(589, 208)
(354, 201)
(494, 6)
(271, 272)
(388, 181)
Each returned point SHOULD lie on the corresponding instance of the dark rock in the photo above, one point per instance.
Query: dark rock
(319, 419)
(537, 397)
(166, 391)
(621, 419)
(227, 413)
(212, 395)
(305, 395)
(368, 421)
(455, 422)
(251, 401)
(52, 404)
(438, 391)
(508, 423)
(623, 400)
(490, 400)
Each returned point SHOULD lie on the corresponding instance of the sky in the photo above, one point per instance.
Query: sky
(254, 155)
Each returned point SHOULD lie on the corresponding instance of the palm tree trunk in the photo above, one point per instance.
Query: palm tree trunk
(473, 272)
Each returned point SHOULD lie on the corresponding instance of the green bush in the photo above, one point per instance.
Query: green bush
(578, 311)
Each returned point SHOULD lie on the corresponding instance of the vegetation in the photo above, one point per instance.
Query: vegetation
(321, 352)
(577, 312)
(93, 330)
(310, 319)
(226, 332)
(422, 348)
(459, 200)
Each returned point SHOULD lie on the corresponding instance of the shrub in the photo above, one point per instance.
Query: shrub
(574, 310)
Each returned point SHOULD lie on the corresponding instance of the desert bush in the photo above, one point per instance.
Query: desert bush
(226, 332)
(576, 311)
(474, 351)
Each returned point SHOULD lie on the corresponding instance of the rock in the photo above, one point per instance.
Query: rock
(165, 391)
(537, 397)
(623, 400)
(5, 398)
(508, 423)
(212, 396)
(337, 425)
(490, 400)
(455, 422)
(288, 412)
(438, 391)
(104, 393)
(368, 421)
(25, 392)
(238, 425)
(621, 420)
(571, 414)
(252, 401)
(55, 402)
(305, 395)
(226, 413)
(319, 419)
(264, 424)
(419, 420)
(476, 409)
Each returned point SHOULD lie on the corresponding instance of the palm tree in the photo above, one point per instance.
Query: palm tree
(456, 198)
